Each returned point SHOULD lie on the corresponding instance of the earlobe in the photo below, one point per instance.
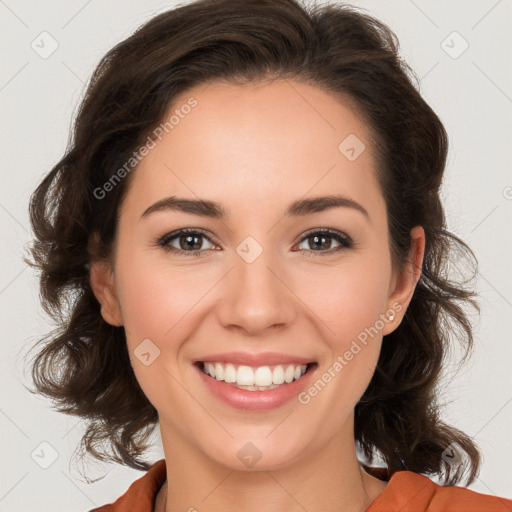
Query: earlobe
(103, 286)
(405, 284)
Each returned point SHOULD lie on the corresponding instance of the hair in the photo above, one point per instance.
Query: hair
(84, 366)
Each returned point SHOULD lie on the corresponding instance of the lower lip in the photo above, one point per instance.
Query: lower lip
(255, 400)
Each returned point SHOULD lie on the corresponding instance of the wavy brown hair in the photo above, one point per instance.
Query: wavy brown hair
(84, 367)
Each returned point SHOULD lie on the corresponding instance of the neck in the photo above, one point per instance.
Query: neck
(327, 480)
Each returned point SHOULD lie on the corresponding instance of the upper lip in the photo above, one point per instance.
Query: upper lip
(263, 359)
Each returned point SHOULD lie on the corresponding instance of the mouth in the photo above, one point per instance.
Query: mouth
(255, 378)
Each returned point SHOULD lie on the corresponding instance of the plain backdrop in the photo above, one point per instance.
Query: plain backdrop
(470, 89)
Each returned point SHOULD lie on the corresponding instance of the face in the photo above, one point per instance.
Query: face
(276, 281)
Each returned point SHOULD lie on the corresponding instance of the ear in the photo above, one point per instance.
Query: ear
(403, 286)
(103, 285)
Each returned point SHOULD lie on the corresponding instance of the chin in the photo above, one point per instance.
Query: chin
(258, 451)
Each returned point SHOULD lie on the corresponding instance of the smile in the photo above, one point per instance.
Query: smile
(261, 378)
(255, 382)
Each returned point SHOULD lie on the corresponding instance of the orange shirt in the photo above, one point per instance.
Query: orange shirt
(405, 492)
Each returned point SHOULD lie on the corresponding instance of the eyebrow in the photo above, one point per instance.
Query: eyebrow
(205, 208)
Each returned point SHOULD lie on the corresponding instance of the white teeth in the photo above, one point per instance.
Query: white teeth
(278, 375)
(210, 369)
(289, 373)
(229, 373)
(254, 379)
(263, 376)
(257, 388)
(219, 371)
(245, 376)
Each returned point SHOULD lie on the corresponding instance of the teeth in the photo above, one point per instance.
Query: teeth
(219, 371)
(278, 375)
(289, 373)
(263, 376)
(229, 374)
(244, 376)
(254, 379)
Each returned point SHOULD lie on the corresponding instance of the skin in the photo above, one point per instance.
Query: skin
(255, 149)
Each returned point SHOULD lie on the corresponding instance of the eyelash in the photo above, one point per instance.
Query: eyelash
(344, 240)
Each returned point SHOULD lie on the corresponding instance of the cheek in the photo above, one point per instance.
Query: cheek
(352, 311)
(160, 301)
(348, 298)
(349, 302)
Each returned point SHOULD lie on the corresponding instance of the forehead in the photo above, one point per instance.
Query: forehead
(282, 113)
(258, 143)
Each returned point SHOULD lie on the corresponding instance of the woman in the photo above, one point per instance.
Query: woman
(248, 229)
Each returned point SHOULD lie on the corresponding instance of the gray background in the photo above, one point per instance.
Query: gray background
(471, 92)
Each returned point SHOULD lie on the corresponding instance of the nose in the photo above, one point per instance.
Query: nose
(257, 297)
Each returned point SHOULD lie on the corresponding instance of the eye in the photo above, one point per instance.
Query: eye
(322, 239)
(185, 242)
(189, 242)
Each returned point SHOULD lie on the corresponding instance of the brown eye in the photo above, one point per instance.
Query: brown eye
(321, 241)
(185, 242)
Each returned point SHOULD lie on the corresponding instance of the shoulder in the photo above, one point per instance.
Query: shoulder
(141, 494)
(410, 492)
